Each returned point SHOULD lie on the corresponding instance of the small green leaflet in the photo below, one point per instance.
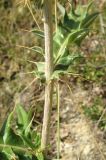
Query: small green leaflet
(38, 33)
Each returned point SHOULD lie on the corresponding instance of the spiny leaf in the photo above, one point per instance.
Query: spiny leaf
(81, 37)
(71, 38)
(65, 62)
(38, 33)
(89, 19)
(69, 23)
(22, 116)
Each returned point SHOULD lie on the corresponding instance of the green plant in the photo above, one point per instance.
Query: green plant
(71, 29)
(18, 139)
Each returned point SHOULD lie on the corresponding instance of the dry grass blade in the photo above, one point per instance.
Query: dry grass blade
(27, 3)
(28, 86)
(23, 2)
(100, 119)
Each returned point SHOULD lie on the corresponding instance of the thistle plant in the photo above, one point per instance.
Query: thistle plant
(72, 28)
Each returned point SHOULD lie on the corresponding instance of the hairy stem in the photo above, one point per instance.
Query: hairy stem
(48, 72)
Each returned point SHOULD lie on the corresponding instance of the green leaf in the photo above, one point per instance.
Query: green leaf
(9, 140)
(39, 156)
(71, 38)
(24, 157)
(1, 142)
(65, 62)
(2, 130)
(38, 33)
(22, 116)
(82, 11)
(12, 138)
(79, 39)
(9, 153)
(37, 49)
(29, 123)
(57, 73)
(27, 141)
(58, 39)
(7, 129)
(70, 23)
(13, 141)
(61, 9)
(74, 15)
(3, 156)
(88, 7)
(40, 66)
(24, 124)
(18, 142)
(89, 20)
(36, 139)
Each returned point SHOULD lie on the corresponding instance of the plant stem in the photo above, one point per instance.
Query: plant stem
(48, 72)
(56, 14)
(58, 121)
